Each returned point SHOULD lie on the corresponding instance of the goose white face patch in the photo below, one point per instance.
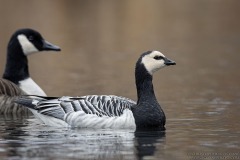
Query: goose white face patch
(27, 46)
(152, 64)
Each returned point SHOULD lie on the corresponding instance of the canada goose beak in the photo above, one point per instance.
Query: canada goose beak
(47, 46)
(169, 62)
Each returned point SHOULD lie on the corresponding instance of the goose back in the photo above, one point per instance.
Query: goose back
(9, 92)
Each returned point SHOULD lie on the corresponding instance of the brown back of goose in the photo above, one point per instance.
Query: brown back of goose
(10, 89)
(8, 93)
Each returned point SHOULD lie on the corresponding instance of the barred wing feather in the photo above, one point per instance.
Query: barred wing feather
(103, 105)
(109, 105)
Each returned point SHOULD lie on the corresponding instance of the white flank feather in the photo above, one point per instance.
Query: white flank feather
(30, 87)
(51, 121)
(83, 120)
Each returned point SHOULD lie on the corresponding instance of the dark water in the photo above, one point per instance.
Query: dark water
(101, 41)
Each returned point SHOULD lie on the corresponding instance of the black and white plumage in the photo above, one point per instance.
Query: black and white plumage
(16, 80)
(104, 111)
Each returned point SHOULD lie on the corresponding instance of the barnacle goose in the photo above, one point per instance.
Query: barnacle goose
(16, 80)
(107, 111)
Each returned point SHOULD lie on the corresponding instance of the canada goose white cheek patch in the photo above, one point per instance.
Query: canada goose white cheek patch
(27, 46)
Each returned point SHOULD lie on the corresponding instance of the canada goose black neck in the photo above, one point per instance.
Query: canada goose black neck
(16, 68)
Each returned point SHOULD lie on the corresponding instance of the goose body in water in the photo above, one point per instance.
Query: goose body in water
(16, 80)
(106, 111)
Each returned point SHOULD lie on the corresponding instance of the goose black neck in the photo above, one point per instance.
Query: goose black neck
(147, 113)
(144, 84)
(16, 68)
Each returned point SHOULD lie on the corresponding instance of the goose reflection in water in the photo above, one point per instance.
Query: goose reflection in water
(146, 142)
(26, 138)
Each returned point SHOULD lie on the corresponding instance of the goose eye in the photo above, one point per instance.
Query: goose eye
(31, 38)
(158, 57)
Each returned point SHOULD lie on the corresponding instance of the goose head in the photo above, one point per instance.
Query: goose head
(154, 60)
(21, 44)
(30, 42)
(148, 63)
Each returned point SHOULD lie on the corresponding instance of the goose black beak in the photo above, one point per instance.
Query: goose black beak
(169, 62)
(47, 46)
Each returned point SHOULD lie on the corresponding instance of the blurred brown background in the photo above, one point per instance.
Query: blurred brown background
(101, 41)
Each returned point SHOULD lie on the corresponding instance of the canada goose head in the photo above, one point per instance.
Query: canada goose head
(23, 43)
(30, 41)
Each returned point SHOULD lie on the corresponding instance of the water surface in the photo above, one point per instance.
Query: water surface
(200, 128)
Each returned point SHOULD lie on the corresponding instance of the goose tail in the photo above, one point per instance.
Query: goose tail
(29, 101)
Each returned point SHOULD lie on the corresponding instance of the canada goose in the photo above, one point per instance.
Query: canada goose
(107, 111)
(16, 79)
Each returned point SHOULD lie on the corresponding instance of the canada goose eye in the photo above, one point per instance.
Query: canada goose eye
(31, 38)
(158, 57)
